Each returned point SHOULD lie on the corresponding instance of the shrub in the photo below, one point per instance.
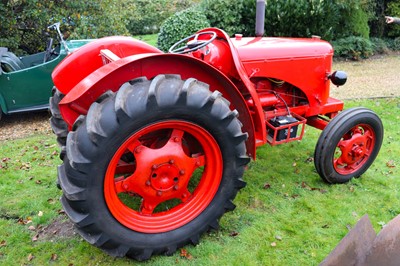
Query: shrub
(380, 46)
(232, 18)
(23, 27)
(328, 19)
(180, 25)
(394, 44)
(354, 16)
(302, 18)
(353, 48)
(148, 16)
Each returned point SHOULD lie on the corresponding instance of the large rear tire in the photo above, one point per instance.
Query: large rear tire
(148, 170)
(348, 145)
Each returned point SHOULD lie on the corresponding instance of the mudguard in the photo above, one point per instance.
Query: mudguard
(82, 62)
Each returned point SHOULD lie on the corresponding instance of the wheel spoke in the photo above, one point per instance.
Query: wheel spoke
(185, 195)
(135, 183)
(343, 144)
(118, 184)
(134, 146)
(176, 135)
(147, 207)
(198, 161)
(339, 162)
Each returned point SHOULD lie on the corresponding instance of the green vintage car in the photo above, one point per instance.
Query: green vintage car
(25, 82)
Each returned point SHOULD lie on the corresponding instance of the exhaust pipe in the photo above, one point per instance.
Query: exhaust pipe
(260, 18)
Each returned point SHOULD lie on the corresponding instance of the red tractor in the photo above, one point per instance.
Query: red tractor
(154, 145)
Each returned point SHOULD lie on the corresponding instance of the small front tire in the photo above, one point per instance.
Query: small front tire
(348, 145)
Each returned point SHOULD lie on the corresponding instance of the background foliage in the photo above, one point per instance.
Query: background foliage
(180, 25)
(394, 8)
(148, 16)
(23, 27)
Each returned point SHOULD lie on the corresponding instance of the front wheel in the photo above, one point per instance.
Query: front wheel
(348, 145)
(151, 168)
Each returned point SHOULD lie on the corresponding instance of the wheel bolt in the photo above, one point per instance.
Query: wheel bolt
(176, 187)
(148, 183)
(125, 186)
(159, 193)
(138, 150)
(171, 161)
(184, 195)
(154, 166)
(182, 172)
(197, 163)
(176, 139)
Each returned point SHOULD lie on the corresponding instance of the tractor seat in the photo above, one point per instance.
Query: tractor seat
(9, 61)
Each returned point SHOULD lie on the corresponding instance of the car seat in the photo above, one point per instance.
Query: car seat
(9, 61)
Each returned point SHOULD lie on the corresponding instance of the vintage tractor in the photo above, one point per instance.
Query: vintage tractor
(154, 145)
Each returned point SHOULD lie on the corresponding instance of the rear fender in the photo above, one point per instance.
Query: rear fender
(76, 66)
(111, 76)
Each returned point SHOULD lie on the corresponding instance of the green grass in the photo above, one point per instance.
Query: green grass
(150, 39)
(285, 202)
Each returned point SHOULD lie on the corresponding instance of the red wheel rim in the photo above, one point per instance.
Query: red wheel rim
(354, 149)
(163, 176)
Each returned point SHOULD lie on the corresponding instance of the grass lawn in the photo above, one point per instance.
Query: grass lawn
(285, 216)
(150, 39)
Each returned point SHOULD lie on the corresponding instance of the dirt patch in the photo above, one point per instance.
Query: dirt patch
(60, 228)
(22, 125)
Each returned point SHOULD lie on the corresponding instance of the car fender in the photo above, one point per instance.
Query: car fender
(86, 59)
(112, 75)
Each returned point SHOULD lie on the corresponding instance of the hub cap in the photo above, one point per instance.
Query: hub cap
(354, 149)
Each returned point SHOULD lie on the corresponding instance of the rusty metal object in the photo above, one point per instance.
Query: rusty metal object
(361, 246)
(353, 247)
(386, 247)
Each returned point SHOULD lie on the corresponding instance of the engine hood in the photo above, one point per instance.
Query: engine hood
(270, 48)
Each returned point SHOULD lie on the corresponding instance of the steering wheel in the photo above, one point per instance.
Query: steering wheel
(192, 45)
(49, 50)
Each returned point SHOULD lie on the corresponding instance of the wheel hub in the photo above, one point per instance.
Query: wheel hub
(165, 177)
(354, 149)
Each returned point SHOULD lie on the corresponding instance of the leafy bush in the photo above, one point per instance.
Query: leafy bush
(232, 18)
(380, 46)
(328, 19)
(148, 16)
(353, 19)
(353, 48)
(180, 25)
(93, 24)
(23, 27)
(302, 18)
(393, 44)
